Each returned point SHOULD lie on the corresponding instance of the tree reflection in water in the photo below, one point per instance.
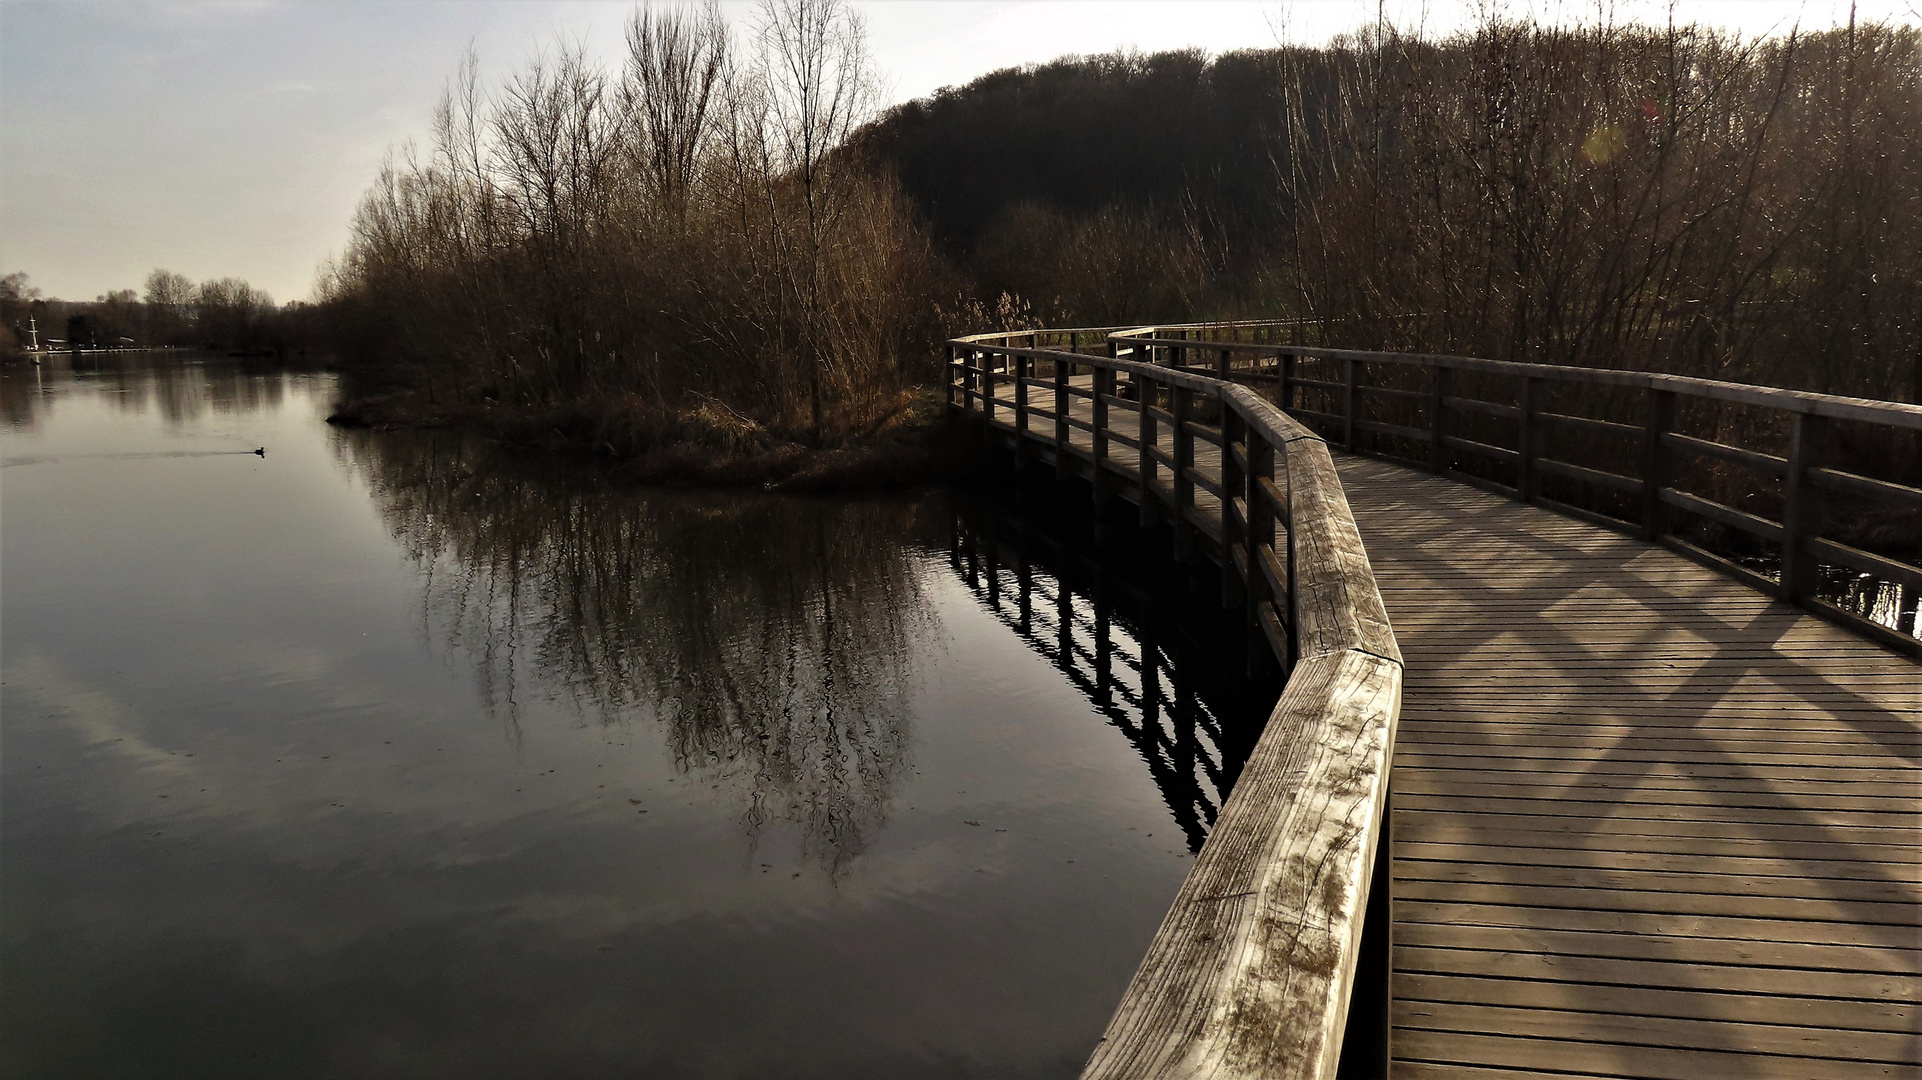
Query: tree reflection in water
(774, 639)
(182, 386)
(1144, 640)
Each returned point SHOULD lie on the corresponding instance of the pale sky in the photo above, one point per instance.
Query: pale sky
(234, 137)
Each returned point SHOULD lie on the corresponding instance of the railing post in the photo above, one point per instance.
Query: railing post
(987, 385)
(1801, 507)
(1261, 533)
(1661, 417)
(1234, 524)
(1285, 373)
(1527, 437)
(1351, 371)
(1098, 476)
(1144, 402)
(1437, 421)
(1182, 405)
(1021, 366)
(1062, 465)
(1226, 366)
(947, 379)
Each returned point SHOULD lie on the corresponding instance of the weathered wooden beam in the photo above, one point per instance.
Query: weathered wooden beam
(1062, 371)
(1250, 973)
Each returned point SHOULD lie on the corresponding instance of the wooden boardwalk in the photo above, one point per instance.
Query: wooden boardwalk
(1647, 821)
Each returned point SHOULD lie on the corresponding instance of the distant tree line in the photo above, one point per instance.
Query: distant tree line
(224, 314)
(723, 240)
(1671, 198)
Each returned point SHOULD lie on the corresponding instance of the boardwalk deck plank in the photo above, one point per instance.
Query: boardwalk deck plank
(1626, 788)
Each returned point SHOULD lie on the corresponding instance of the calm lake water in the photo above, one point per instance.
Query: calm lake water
(384, 757)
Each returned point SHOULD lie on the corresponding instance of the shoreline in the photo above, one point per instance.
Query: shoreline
(924, 445)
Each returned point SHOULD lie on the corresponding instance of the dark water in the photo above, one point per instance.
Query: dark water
(383, 757)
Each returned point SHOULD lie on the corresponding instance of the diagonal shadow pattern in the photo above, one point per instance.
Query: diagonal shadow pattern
(1601, 619)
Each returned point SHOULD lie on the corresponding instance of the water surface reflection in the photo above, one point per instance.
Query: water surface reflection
(773, 640)
(381, 757)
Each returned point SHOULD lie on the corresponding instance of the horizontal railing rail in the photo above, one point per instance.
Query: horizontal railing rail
(1636, 470)
(1254, 970)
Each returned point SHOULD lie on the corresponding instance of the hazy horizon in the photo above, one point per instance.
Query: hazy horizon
(233, 139)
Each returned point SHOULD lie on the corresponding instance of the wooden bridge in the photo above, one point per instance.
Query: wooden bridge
(1642, 692)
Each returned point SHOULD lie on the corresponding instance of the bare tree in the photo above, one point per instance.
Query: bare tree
(676, 78)
(816, 86)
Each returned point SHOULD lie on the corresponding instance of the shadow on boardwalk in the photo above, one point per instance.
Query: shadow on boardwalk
(1648, 821)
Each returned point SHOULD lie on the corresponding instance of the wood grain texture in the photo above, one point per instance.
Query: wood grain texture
(1248, 975)
(1649, 822)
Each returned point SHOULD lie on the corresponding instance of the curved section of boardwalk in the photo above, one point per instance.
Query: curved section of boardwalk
(1647, 822)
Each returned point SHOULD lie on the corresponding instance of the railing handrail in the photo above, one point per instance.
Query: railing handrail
(1252, 971)
(1834, 406)
(1105, 331)
(1810, 469)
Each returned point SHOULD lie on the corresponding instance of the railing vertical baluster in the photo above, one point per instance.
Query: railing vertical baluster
(1438, 421)
(1527, 437)
(1660, 418)
(1287, 604)
(1234, 525)
(1022, 367)
(1098, 476)
(1351, 371)
(1144, 403)
(986, 362)
(1261, 533)
(1182, 405)
(1063, 463)
(1801, 507)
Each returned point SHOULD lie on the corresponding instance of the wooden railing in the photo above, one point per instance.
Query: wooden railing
(1254, 969)
(1661, 456)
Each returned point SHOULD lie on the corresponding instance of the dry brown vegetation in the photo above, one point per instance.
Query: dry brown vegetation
(1673, 199)
(709, 246)
(680, 250)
